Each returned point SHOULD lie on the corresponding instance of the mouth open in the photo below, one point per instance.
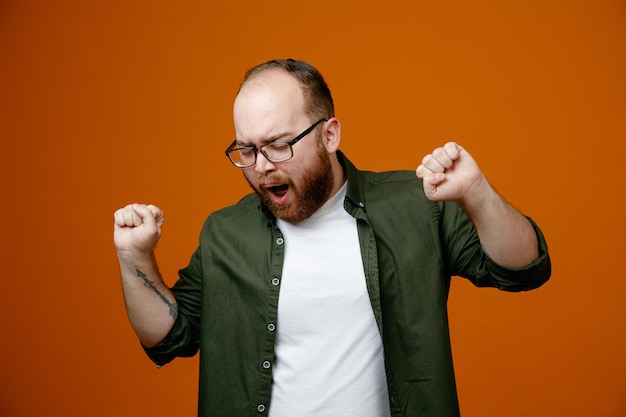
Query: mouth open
(278, 193)
(279, 190)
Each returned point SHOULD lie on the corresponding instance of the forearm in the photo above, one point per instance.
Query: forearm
(151, 307)
(506, 235)
(451, 174)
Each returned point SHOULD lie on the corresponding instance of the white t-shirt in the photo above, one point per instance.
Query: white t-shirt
(329, 353)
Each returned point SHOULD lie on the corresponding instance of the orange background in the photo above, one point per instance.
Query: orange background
(109, 102)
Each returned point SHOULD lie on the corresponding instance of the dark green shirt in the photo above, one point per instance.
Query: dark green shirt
(228, 295)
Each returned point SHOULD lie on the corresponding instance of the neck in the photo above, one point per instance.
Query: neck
(339, 176)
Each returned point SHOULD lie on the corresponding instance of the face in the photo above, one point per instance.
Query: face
(295, 197)
(270, 108)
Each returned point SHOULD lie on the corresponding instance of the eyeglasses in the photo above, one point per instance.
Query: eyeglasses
(245, 156)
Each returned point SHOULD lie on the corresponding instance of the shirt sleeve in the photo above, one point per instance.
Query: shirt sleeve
(520, 279)
(468, 259)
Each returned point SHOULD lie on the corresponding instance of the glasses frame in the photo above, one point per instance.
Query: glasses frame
(233, 147)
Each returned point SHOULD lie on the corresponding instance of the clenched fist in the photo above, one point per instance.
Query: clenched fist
(450, 173)
(137, 228)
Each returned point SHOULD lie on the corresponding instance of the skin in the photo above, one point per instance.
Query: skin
(136, 231)
(271, 107)
(450, 173)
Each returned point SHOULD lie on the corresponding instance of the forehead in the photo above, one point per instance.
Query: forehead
(270, 103)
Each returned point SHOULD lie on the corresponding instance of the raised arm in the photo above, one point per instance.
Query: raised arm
(450, 173)
(151, 307)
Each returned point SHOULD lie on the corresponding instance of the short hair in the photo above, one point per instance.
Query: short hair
(319, 101)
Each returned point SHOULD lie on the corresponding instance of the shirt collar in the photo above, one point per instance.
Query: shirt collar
(355, 197)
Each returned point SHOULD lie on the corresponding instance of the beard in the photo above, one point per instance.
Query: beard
(307, 197)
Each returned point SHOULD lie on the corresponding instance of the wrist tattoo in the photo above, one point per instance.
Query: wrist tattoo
(173, 308)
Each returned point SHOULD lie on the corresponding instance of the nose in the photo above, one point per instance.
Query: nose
(263, 165)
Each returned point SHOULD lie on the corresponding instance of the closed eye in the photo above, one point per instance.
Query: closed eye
(279, 146)
(246, 150)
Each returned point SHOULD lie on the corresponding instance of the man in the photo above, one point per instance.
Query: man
(324, 292)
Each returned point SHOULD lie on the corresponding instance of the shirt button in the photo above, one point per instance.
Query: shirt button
(280, 241)
(267, 364)
(260, 408)
(275, 281)
(271, 327)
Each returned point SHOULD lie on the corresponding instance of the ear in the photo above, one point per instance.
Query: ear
(331, 135)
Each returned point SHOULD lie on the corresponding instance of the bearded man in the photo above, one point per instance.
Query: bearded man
(323, 293)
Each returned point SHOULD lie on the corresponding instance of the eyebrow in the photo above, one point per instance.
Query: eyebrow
(264, 142)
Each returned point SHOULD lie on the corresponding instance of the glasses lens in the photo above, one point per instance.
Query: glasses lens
(278, 151)
(243, 156)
